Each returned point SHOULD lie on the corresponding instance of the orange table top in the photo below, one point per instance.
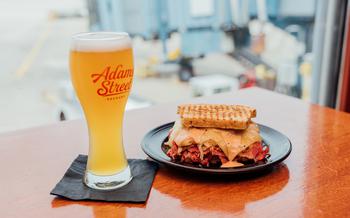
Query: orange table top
(313, 181)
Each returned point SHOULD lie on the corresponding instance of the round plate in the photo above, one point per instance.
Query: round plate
(279, 145)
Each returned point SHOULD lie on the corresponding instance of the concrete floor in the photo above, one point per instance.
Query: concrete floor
(33, 60)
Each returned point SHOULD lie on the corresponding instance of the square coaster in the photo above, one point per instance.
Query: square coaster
(72, 187)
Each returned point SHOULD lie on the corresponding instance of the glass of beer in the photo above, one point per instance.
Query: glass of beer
(101, 65)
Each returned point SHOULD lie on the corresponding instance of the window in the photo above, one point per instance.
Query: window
(185, 48)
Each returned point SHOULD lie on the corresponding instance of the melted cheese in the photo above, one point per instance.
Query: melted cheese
(251, 135)
(231, 142)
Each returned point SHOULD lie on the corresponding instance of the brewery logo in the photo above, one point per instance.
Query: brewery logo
(113, 80)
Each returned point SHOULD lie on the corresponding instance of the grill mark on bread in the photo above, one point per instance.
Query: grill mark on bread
(216, 116)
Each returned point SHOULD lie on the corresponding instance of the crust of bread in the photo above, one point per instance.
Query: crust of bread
(216, 116)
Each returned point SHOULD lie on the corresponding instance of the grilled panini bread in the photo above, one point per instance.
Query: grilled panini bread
(216, 116)
(216, 135)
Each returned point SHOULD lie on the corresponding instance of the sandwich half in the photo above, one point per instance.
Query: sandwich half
(216, 136)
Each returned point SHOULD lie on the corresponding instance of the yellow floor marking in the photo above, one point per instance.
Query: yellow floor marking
(33, 53)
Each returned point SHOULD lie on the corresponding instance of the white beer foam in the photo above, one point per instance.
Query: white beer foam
(100, 41)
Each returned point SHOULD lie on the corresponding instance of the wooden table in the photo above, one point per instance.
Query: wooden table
(313, 182)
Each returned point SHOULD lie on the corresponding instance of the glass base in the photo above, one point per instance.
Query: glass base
(108, 182)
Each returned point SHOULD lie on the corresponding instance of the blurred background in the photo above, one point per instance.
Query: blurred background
(185, 48)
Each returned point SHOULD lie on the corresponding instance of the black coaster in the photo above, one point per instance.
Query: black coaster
(71, 185)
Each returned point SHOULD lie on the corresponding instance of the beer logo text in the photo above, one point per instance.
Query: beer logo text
(113, 81)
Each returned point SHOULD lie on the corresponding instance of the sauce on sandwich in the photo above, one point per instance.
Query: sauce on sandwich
(231, 142)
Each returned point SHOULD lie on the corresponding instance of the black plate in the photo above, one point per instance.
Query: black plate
(279, 145)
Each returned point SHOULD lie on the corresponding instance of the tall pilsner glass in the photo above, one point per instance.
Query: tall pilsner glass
(101, 65)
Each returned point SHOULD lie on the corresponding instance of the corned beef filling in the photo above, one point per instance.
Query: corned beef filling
(214, 156)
